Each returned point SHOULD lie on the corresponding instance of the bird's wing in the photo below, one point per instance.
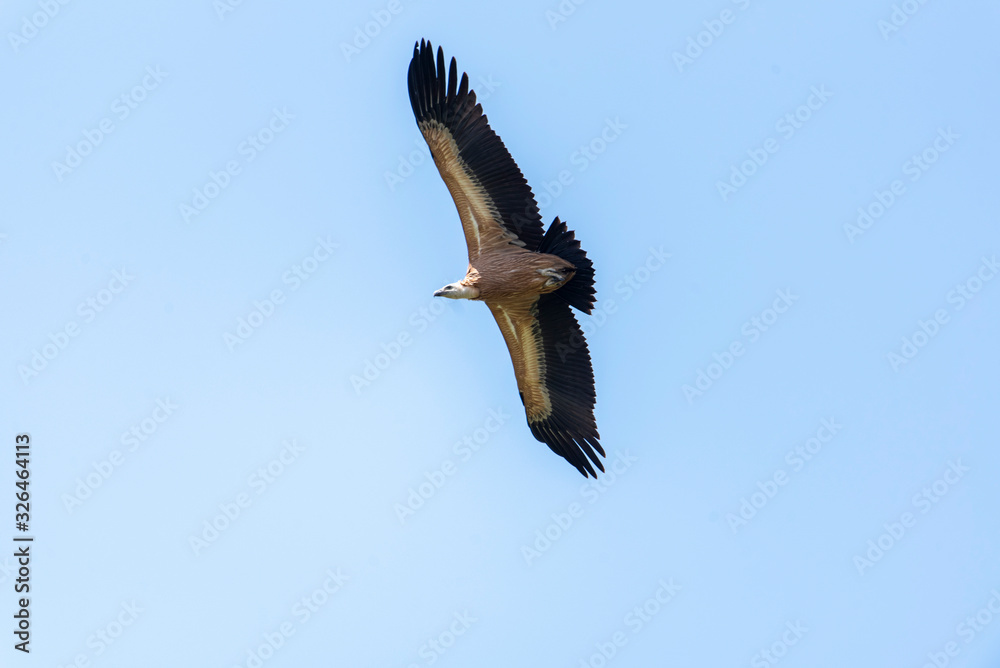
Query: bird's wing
(554, 376)
(493, 200)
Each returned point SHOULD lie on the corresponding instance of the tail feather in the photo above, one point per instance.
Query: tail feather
(579, 292)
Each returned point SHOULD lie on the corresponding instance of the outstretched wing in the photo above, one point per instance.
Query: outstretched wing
(554, 376)
(493, 200)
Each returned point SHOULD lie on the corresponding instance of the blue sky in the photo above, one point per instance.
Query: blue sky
(259, 441)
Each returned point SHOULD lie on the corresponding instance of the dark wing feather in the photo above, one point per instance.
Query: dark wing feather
(494, 180)
(569, 429)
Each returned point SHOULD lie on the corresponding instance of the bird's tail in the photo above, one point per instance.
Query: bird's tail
(579, 292)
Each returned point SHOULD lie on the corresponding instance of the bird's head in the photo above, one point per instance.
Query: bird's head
(457, 291)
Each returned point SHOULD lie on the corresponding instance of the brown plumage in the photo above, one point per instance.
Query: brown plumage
(528, 277)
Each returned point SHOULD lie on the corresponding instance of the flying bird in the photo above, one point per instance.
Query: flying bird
(528, 277)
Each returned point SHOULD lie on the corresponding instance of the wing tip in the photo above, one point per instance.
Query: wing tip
(579, 448)
(431, 85)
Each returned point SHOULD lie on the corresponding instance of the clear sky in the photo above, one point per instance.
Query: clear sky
(257, 440)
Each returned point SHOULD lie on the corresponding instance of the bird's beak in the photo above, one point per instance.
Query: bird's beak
(439, 293)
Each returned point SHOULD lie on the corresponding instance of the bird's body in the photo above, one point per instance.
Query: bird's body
(527, 276)
(516, 274)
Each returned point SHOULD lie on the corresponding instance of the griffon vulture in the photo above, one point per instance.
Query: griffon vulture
(528, 277)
